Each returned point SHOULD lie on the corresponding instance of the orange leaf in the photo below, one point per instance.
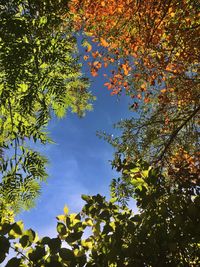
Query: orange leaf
(146, 100)
(96, 63)
(104, 42)
(125, 84)
(125, 68)
(85, 58)
(109, 85)
(95, 54)
(143, 87)
(94, 73)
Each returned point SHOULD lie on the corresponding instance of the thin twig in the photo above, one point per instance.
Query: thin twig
(175, 133)
(24, 256)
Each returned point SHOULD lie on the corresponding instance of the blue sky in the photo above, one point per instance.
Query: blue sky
(79, 161)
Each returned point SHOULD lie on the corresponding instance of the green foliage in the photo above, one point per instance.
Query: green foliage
(39, 75)
(163, 132)
(164, 233)
(156, 132)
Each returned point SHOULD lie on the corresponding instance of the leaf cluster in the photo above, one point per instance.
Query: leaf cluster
(165, 232)
(39, 76)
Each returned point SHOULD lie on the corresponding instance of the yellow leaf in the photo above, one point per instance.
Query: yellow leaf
(66, 210)
(89, 48)
(145, 173)
(163, 90)
(88, 222)
(87, 243)
(78, 253)
(61, 217)
(172, 14)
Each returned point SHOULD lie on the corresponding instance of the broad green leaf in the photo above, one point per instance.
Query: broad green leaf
(54, 244)
(73, 237)
(61, 228)
(14, 262)
(66, 254)
(4, 247)
(37, 254)
(17, 229)
(85, 197)
(24, 241)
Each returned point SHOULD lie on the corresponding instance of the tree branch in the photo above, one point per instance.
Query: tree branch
(175, 133)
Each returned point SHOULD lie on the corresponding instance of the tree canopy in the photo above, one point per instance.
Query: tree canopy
(40, 76)
(164, 233)
(153, 50)
(152, 39)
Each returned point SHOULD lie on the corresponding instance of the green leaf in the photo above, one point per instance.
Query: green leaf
(17, 229)
(113, 200)
(14, 262)
(37, 254)
(4, 247)
(43, 20)
(45, 240)
(61, 228)
(66, 254)
(136, 182)
(43, 65)
(53, 261)
(85, 197)
(135, 170)
(28, 238)
(5, 228)
(54, 244)
(73, 237)
(23, 87)
(24, 241)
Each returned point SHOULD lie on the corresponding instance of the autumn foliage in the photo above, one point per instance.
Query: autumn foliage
(152, 51)
(149, 41)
